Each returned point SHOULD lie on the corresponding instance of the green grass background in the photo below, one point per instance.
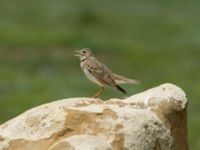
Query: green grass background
(154, 41)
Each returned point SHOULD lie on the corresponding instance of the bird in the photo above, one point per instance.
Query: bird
(98, 73)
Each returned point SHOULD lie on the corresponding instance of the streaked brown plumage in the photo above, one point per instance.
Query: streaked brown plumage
(99, 73)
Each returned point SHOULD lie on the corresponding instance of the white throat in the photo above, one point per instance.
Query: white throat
(82, 58)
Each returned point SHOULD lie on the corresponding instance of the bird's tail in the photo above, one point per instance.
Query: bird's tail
(122, 80)
(121, 89)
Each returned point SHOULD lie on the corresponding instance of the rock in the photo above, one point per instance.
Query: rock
(153, 120)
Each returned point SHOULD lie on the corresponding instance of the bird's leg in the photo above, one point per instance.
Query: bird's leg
(99, 93)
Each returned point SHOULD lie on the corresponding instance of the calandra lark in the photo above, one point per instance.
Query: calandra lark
(99, 73)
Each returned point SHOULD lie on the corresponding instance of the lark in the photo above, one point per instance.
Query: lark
(98, 73)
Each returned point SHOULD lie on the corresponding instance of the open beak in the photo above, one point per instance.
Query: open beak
(77, 53)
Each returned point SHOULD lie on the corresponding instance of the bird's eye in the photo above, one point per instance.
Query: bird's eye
(83, 52)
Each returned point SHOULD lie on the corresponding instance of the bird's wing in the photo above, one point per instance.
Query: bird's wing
(100, 72)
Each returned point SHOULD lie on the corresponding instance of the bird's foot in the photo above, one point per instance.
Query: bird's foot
(99, 93)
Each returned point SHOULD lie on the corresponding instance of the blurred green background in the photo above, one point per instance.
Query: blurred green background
(154, 41)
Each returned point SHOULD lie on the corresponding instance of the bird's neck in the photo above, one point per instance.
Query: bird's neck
(86, 58)
(83, 58)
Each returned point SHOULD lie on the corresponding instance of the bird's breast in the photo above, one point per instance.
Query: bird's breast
(91, 77)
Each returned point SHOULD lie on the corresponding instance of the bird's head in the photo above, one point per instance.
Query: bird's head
(84, 53)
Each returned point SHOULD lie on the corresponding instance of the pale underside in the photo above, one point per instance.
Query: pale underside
(92, 78)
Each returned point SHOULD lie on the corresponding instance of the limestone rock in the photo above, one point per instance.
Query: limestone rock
(152, 120)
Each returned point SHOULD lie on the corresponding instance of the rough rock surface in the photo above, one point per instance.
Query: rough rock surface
(153, 120)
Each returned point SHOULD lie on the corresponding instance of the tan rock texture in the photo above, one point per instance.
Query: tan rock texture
(153, 120)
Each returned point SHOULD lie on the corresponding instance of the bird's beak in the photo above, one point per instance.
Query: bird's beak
(77, 53)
